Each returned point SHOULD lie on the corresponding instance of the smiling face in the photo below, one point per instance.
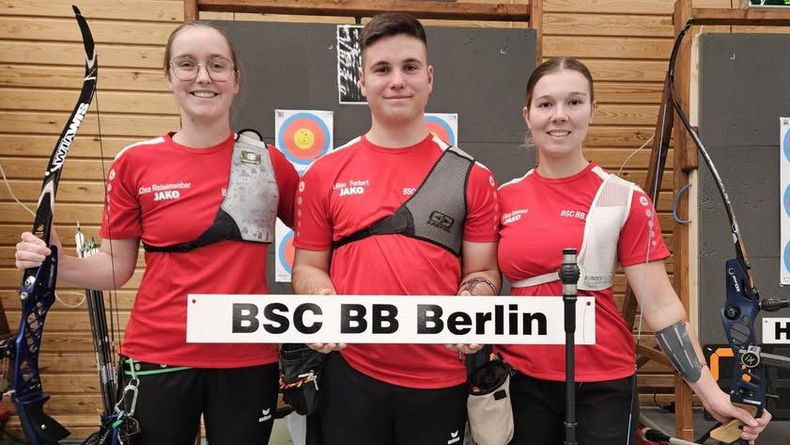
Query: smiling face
(202, 99)
(396, 79)
(560, 113)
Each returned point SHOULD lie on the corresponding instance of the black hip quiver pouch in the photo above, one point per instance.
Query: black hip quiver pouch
(488, 405)
(300, 369)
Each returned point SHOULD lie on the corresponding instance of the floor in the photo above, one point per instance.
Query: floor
(777, 433)
(280, 436)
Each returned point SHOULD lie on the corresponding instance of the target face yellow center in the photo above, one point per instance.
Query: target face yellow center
(304, 139)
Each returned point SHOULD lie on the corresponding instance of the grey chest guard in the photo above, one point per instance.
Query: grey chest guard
(249, 209)
(436, 213)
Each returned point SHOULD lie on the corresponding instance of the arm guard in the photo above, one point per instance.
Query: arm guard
(676, 344)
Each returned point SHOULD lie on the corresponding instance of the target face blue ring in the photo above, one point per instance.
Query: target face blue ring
(441, 128)
(304, 137)
(285, 252)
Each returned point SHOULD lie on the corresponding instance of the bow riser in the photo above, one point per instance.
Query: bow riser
(38, 295)
(738, 318)
(37, 290)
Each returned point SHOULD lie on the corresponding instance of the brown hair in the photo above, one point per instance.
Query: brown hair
(390, 24)
(197, 24)
(552, 66)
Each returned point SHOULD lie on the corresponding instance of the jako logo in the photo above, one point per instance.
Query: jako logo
(454, 437)
(168, 194)
(352, 191)
(440, 220)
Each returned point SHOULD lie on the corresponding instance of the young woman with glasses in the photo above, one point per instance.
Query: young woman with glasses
(202, 202)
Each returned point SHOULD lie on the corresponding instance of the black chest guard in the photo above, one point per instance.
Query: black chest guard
(436, 212)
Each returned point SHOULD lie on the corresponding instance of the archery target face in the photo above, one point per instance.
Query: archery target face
(786, 200)
(786, 257)
(286, 250)
(303, 137)
(786, 145)
(443, 126)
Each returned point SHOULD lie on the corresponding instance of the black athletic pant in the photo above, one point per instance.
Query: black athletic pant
(238, 405)
(355, 409)
(602, 411)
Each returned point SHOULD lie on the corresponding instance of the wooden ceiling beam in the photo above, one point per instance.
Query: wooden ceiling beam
(740, 17)
(369, 8)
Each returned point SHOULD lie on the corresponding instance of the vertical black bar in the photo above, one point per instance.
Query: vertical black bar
(569, 275)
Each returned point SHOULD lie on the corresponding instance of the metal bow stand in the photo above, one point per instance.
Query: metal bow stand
(569, 275)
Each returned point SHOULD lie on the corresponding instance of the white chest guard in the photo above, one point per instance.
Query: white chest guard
(249, 208)
(598, 256)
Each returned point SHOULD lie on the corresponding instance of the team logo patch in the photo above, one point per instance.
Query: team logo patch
(351, 187)
(250, 157)
(515, 215)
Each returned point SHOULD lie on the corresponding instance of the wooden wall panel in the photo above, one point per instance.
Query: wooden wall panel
(625, 43)
(126, 10)
(112, 79)
(608, 25)
(609, 6)
(40, 77)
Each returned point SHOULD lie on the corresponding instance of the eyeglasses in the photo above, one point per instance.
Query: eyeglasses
(219, 69)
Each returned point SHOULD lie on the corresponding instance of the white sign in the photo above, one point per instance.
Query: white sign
(776, 331)
(384, 319)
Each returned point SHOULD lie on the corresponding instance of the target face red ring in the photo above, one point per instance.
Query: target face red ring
(286, 251)
(786, 257)
(304, 137)
(786, 145)
(441, 129)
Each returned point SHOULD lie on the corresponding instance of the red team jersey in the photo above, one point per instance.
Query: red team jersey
(352, 187)
(540, 217)
(166, 193)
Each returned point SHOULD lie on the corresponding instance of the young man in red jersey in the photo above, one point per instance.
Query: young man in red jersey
(395, 212)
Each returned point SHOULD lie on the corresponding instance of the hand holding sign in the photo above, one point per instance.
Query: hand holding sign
(326, 348)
